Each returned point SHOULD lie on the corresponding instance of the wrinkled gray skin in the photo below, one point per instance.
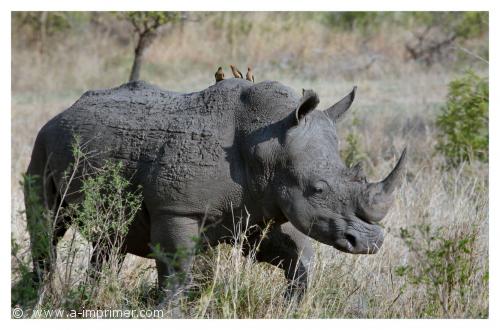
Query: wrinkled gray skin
(204, 156)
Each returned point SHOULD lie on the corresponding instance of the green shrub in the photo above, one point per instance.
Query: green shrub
(103, 217)
(463, 122)
(444, 263)
(109, 204)
(23, 292)
(353, 151)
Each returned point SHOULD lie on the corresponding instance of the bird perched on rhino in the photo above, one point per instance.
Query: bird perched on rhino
(219, 75)
(236, 73)
(250, 74)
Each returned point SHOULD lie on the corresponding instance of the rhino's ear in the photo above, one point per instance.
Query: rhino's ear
(308, 103)
(338, 109)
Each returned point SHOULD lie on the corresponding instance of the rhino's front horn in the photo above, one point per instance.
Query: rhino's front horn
(393, 180)
(378, 197)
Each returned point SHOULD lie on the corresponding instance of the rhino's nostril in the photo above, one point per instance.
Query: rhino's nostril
(351, 239)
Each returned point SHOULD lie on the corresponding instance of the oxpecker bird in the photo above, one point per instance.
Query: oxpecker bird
(236, 73)
(219, 75)
(250, 74)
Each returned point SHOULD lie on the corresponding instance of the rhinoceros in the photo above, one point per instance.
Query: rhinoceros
(205, 156)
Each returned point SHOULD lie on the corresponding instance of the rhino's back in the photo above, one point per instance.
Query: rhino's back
(165, 139)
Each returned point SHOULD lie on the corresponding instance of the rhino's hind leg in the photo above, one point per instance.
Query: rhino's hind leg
(173, 240)
(45, 232)
(289, 249)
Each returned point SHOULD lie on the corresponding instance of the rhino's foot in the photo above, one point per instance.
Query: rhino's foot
(295, 290)
(171, 302)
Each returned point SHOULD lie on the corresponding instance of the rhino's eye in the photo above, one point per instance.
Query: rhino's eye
(320, 187)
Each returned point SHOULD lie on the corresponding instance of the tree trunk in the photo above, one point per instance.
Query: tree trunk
(145, 40)
(136, 67)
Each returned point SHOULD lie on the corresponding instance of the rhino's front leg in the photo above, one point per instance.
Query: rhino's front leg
(173, 242)
(292, 251)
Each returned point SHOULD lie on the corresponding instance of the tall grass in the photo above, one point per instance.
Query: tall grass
(228, 285)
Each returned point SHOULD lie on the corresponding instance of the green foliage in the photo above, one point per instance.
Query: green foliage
(40, 24)
(463, 122)
(472, 24)
(464, 24)
(144, 21)
(352, 20)
(52, 21)
(353, 152)
(38, 217)
(445, 265)
(23, 292)
(108, 205)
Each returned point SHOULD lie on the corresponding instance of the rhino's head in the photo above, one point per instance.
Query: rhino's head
(318, 194)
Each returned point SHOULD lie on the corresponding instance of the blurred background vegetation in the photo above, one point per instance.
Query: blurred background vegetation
(312, 45)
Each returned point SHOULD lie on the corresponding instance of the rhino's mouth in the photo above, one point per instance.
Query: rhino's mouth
(346, 233)
(344, 245)
(359, 238)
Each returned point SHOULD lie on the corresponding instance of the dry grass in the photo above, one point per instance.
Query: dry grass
(396, 105)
